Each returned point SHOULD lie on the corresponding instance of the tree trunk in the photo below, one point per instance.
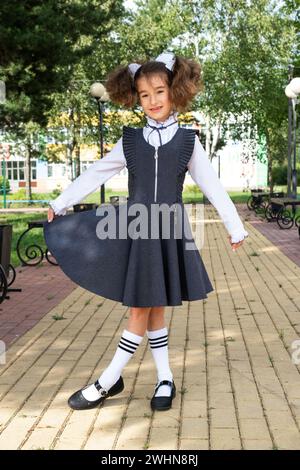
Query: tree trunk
(70, 161)
(71, 144)
(215, 140)
(77, 136)
(28, 169)
(270, 164)
(207, 131)
(77, 160)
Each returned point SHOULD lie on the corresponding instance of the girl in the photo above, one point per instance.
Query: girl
(145, 274)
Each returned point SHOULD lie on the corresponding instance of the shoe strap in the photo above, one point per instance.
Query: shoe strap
(164, 382)
(100, 389)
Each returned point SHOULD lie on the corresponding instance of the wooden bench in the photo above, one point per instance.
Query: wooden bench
(277, 210)
(259, 200)
(7, 271)
(33, 252)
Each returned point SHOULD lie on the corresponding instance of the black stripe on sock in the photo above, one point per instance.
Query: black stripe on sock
(157, 339)
(128, 341)
(159, 342)
(160, 346)
(132, 348)
(127, 350)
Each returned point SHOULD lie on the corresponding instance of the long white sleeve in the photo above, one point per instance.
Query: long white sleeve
(204, 175)
(92, 178)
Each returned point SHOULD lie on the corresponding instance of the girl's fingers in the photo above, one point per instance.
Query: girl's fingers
(236, 245)
(50, 215)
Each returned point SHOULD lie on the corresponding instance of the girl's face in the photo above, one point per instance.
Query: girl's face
(154, 97)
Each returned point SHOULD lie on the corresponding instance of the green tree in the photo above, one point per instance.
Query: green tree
(141, 34)
(245, 48)
(40, 45)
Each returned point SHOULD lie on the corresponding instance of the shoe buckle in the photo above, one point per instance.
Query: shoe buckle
(100, 389)
(163, 382)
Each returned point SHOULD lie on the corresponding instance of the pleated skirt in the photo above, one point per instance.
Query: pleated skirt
(138, 272)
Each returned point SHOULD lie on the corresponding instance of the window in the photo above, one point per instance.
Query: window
(21, 171)
(83, 166)
(50, 171)
(33, 170)
(8, 170)
(16, 170)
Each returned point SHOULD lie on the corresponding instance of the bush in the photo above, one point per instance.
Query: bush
(192, 188)
(20, 194)
(7, 185)
(56, 192)
(279, 175)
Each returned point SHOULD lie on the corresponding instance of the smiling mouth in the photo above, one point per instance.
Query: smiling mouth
(156, 109)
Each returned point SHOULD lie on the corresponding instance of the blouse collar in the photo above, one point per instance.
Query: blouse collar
(159, 126)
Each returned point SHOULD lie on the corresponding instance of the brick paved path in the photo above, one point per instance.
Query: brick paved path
(286, 239)
(43, 286)
(238, 387)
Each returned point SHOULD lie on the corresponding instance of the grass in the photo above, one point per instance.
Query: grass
(19, 222)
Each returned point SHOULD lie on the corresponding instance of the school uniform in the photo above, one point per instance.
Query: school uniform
(137, 271)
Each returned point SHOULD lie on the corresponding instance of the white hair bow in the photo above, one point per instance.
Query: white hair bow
(168, 58)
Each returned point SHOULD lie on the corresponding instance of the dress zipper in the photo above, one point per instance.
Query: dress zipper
(156, 165)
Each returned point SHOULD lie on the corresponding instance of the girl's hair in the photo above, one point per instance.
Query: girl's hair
(184, 82)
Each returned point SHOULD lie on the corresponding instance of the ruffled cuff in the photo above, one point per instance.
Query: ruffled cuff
(239, 236)
(56, 209)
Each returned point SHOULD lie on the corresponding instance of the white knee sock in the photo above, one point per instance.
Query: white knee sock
(128, 344)
(158, 341)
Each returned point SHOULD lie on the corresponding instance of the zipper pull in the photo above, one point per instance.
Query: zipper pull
(155, 184)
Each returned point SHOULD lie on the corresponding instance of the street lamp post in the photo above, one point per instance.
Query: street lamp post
(2, 101)
(4, 155)
(290, 120)
(100, 94)
(292, 91)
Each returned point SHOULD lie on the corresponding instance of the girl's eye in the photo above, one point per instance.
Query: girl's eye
(145, 96)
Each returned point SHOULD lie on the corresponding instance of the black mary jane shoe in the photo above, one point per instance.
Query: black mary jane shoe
(163, 403)
(78, 402)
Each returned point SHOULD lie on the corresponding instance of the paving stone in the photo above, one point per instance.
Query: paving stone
(230, 354)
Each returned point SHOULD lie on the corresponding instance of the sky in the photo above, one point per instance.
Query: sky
(130, 4)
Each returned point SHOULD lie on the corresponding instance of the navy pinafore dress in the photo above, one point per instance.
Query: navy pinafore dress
(138, 271)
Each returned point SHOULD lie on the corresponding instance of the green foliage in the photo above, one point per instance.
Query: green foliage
(245, 49)
(21, 195)
(7, 185)
(192, 188)
(62, 47)
(19, 223)
(279, 174)
(40, 44)
(55, 192)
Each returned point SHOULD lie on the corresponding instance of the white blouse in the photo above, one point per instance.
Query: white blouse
(199, 167)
